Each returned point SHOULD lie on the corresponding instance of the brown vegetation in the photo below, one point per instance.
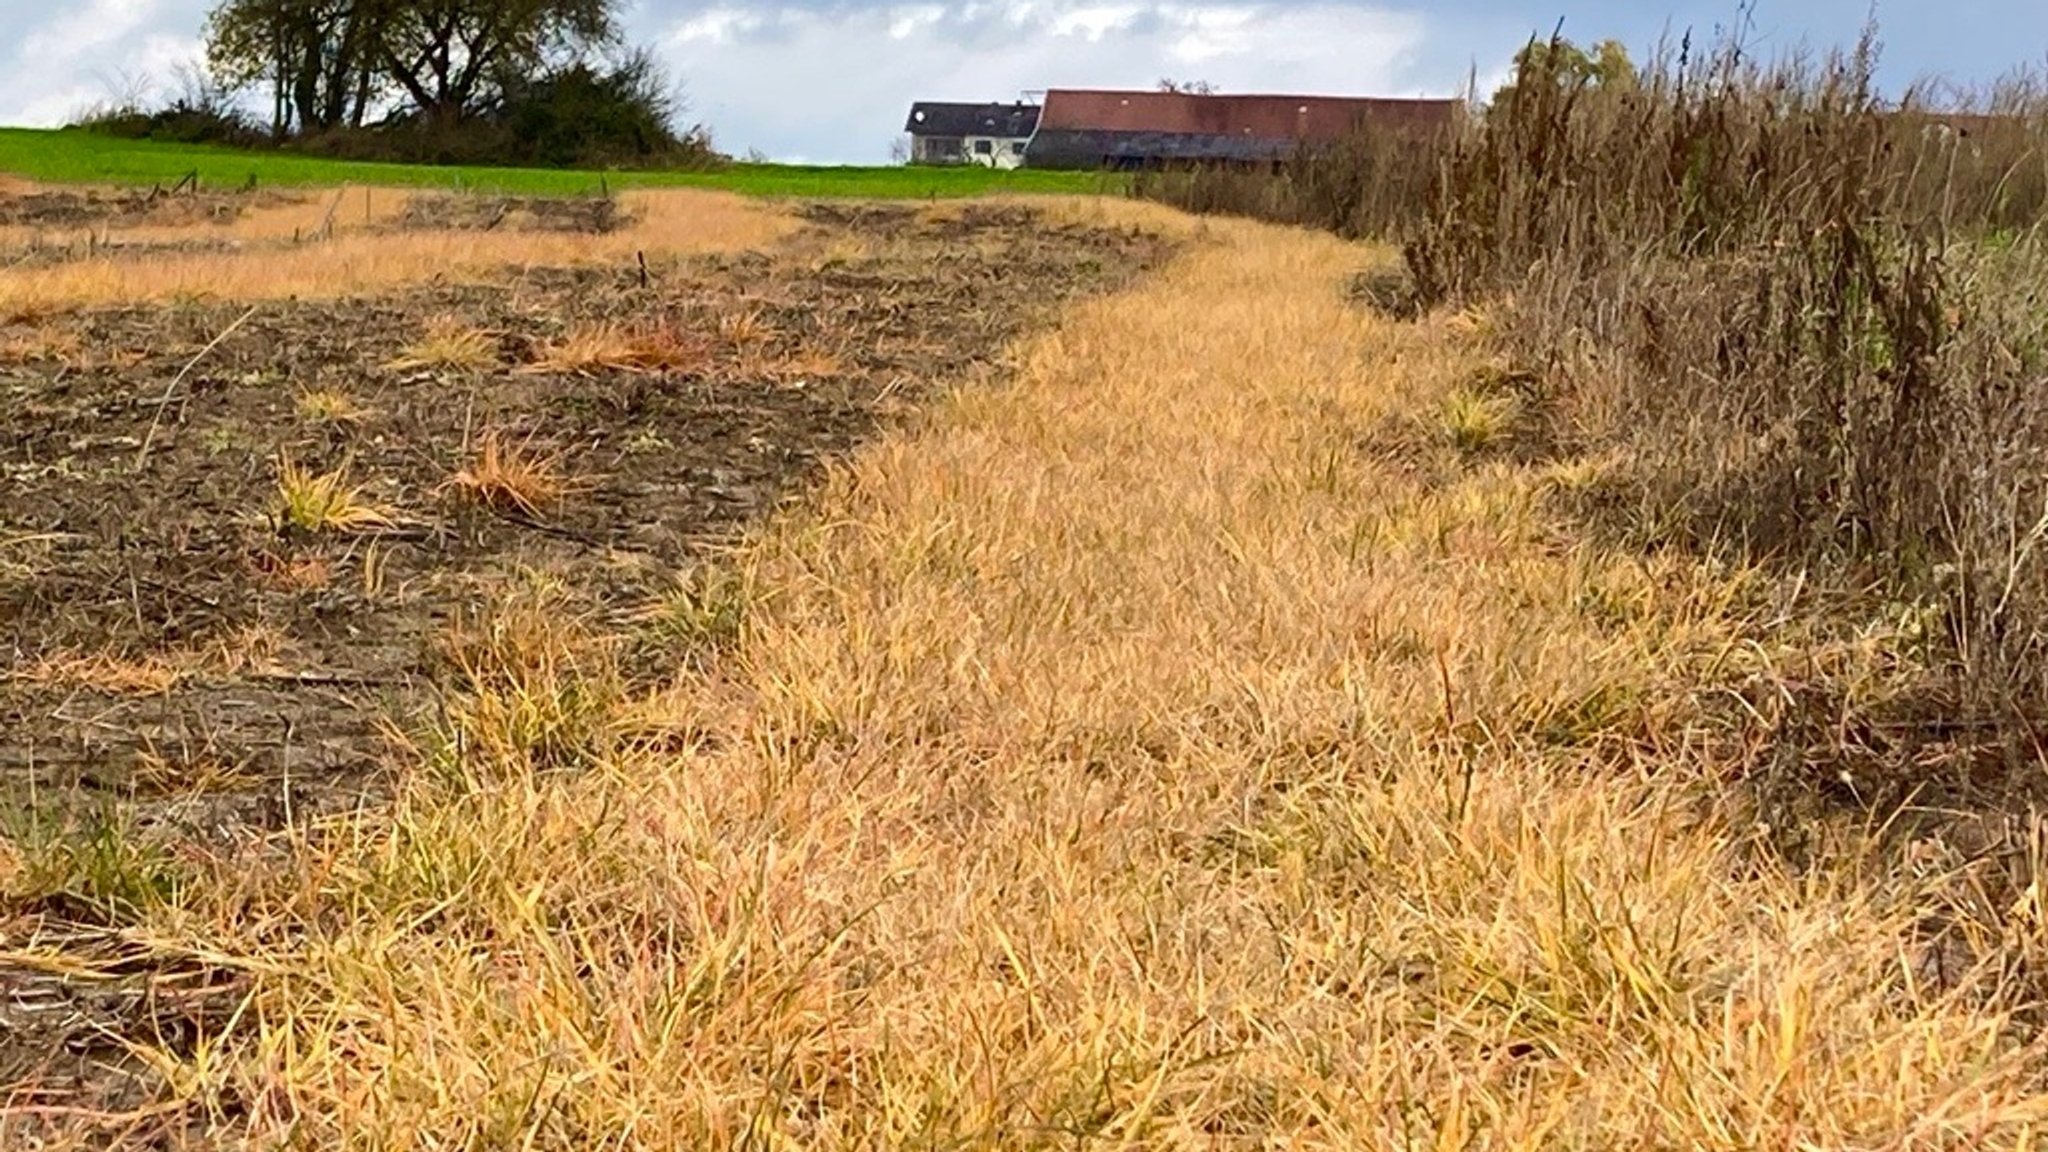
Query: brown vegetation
(609, 346)
(358, 255)
(1085, 759)
(1806, 319)
(449, 344)
(510, 477)
(1802, 322)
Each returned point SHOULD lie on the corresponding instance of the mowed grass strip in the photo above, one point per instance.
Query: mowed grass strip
(75, 157)
(1181, 745)
(361, 255)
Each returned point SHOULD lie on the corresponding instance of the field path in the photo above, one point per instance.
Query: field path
(1212, 736)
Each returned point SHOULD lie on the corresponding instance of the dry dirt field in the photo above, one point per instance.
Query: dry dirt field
(697, 674)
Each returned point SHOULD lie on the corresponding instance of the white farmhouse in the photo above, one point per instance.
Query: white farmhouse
(992, 135)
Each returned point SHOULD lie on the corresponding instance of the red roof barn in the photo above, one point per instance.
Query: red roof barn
(1084, 128)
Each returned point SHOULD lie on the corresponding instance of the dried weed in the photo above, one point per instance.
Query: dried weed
(511, 477)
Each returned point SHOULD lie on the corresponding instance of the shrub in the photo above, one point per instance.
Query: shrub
(581, 116)
(182, 121)
(1368, 184)
(584, 116)
(1810, 316)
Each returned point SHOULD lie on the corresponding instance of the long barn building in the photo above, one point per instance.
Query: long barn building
(1093, 128)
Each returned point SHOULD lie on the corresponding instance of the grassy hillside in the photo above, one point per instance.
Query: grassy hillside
(82, 157)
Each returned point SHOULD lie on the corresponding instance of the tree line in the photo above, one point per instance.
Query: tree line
(519, 81)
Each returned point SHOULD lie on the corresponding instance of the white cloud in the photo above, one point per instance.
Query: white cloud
(85, 54)
(1093, 22)
(715, 26)
(835, 83)
(86, 27)
(907, 22)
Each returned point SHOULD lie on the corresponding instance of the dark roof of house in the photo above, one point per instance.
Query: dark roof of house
(1069, 148)
(937, 118)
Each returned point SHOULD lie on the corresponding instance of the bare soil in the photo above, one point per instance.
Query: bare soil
(68, 208)
(594, 215)
(141, 528)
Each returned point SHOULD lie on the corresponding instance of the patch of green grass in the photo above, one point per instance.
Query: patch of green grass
(1475, 421)
(75, 157)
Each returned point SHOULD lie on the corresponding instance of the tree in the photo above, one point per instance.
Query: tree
(455, 57)
(318, 57)
(1560, 66)
(1188, 87)
(327, 62)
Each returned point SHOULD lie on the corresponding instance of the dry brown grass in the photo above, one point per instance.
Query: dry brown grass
(808, 363)
(450, 343)
(1811, 325)
(1120, 758)
(331, 406)
(106, 672)
(40, 345)
(273, 217)
(155, 673)
(747, 329)
(601, 346)
(360, 260)
(509, 476)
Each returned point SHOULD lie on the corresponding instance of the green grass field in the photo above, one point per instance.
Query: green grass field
(72, 157)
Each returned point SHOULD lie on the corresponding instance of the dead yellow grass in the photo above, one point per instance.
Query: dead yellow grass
(601, 346)
(330, 406)
(511, 477)
(678, 221)
(40, 345)
(106, 672)
(1125, 758)
(450, 344)
(154, 673)
(274, 217)
(808, 363)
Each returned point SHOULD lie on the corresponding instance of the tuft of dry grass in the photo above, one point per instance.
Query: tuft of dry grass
(749, 329)
(611, 346)
(325, 501)
(450, 344)
(41, 345)
(297, 573)
(106, 672)
(809, 363)
(331, 406)
(1474, 421)
(541, 690)
(839, 251)
(511, 477)
(158, 774)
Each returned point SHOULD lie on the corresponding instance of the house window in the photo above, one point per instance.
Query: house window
(984, 147)
(1016, 147)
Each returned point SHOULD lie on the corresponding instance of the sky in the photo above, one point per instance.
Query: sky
(830, 81)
